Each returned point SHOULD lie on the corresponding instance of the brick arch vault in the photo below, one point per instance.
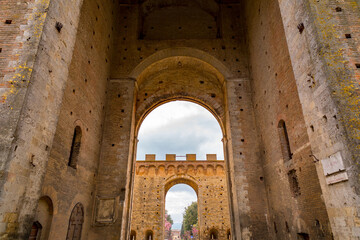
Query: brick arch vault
(191, 75)
(84, 60)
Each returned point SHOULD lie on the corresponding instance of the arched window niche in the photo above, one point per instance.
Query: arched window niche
(149, 235)
(228, 234)
(133, 235)
(284, 141)
(75, 147)
(213, 234)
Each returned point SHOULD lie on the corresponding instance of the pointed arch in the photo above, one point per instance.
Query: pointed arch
(214, 234)
(284, 141)
(75, 147)
(76, 222)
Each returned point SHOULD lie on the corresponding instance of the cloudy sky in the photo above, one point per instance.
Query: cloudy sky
(179, 128)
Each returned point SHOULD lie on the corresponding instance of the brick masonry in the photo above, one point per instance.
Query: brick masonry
(154, 178)
(254, 64)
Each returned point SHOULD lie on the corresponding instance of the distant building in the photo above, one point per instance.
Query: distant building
(175, 234)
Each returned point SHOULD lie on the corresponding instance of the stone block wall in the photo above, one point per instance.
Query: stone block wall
(153, 179)
(293, 189)
(269, 63)
(83, 105)
(324, 64)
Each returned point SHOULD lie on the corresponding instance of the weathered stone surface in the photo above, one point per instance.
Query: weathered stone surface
(153, 179)
(253, 64)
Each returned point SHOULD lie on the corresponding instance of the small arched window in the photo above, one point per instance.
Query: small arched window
(213, 234)
(132, 235)
(75, 223)
(149, 235)
(284, 141)
(228, 234)
(75, 147)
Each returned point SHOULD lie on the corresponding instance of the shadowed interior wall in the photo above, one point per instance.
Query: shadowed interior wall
(291, 210)
(255, 64)
(83, 107)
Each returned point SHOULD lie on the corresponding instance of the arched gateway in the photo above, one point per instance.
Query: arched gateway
(102, 66)
(154, 178)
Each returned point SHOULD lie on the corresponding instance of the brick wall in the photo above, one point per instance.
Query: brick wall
(292, 186)
(154, 178)
(83, 105)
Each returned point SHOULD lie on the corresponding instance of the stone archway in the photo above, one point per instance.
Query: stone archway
(167, 77)
(153, 179)
(271, 70)
(181, 51)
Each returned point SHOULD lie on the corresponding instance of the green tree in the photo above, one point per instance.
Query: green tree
(190, 219)
(182, 232)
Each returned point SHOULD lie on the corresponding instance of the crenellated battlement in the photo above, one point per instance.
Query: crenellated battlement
(174, 157)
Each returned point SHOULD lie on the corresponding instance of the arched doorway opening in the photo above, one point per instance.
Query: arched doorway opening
(165, 80)
(214, 234)
(35, 231)
(133, 235)
(76, 221)
(179, 143)
(44, 213)
(181, 205)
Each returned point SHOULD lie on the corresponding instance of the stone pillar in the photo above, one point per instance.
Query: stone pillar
(324, 64)
(114, 178)
(126, 228)
(242, 156)
(30, 107)
(233, 206)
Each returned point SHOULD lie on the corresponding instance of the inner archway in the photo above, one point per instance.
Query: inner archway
(181, 212)
(169, 79)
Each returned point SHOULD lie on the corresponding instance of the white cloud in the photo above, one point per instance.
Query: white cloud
(165, 114)
(180, 128)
